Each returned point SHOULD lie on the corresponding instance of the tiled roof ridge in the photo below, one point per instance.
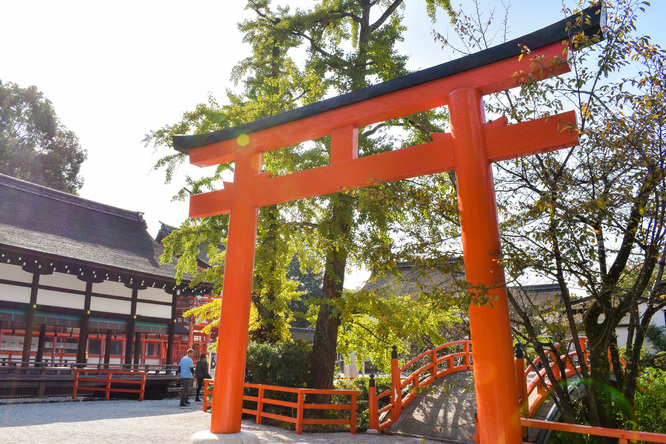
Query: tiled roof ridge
(70, 199)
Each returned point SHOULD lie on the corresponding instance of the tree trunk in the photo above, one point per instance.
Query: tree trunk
(324, 351)
(265, 279)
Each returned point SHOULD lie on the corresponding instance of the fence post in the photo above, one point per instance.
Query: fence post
(352, 419)
(299, 412)
(260, 404)
(466, 358)
(433, 363)
(108, 386)
(143, 386)
(396, 385)
(373, 407)
(521, 383)
(206, 393)
(76, 384)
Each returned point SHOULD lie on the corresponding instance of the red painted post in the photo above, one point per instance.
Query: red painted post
(433, 363)
(143, 386)
(227, 409)
(396, 385)
(205, 403)
(352, 419)
(260, 404)
(108, 386)
(466, 358)
(76, 384)
(373, 407)
(519, 364)
(299, 412)
(494, 378)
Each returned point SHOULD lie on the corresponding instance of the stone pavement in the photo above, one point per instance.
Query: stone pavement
(126, 422)
(446, 410)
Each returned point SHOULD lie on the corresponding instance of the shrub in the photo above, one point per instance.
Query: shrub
(650, 401)
(362, 383)
(286, 364)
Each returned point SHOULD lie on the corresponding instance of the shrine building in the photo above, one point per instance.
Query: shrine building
(81, 282)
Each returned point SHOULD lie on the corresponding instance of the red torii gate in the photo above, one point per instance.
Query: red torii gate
(469, 150)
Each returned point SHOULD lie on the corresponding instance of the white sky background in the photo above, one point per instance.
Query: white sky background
(114, 71)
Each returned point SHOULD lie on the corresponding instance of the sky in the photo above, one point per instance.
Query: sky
(115, 71)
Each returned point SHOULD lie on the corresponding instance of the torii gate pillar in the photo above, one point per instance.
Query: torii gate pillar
(469, 149)
(494, 374)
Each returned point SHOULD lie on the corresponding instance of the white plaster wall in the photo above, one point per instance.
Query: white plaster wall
(14, 273)
(153, 310)
(60, 299)
(62, 280)
(112, 288)
(659, 320)
(110, 305)
(155, 294)
(12, 293)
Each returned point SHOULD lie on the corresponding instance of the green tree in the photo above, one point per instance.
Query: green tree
(346, 51)
(351, 44)
(34, 145)
(272, 84)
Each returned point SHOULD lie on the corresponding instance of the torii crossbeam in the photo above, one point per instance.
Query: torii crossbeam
(469, 150)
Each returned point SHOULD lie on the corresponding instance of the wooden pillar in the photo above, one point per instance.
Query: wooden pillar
(107, 349)
(131, 327)
(30, 320)
(494, 377)
(82, 346)
(227, 412)
(172, 328)
(190, 334)
(41, 344)
(137, 349)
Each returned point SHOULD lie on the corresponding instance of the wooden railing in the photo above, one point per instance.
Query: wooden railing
(300, 406)
(8, 366)
(625, 436)
(396, 399)
(542, 384)
(109, 378)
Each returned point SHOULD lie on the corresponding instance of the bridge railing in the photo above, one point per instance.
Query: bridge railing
(624, 436)
(405, 389)
(264, 397)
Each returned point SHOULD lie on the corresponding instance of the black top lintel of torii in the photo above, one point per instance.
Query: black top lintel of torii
(594, 23)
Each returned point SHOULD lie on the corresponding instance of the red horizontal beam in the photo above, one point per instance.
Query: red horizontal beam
(503, 142)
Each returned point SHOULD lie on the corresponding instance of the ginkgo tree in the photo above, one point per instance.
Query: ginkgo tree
(346, 50)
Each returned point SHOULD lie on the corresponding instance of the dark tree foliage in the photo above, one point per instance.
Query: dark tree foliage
(309, 283)
(34, 145)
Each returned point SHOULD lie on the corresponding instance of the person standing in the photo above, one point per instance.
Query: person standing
(201, 373)
(186, 365)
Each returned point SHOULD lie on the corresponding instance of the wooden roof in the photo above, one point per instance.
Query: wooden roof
(45, 223)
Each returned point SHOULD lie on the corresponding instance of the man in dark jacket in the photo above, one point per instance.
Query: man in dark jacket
(201, 372)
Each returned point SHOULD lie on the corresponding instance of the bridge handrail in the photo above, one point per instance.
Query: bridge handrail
(300, 405)
(542, 384)
(625, 436)
(398, 402)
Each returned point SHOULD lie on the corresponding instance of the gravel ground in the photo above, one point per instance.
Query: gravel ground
(121, 422)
